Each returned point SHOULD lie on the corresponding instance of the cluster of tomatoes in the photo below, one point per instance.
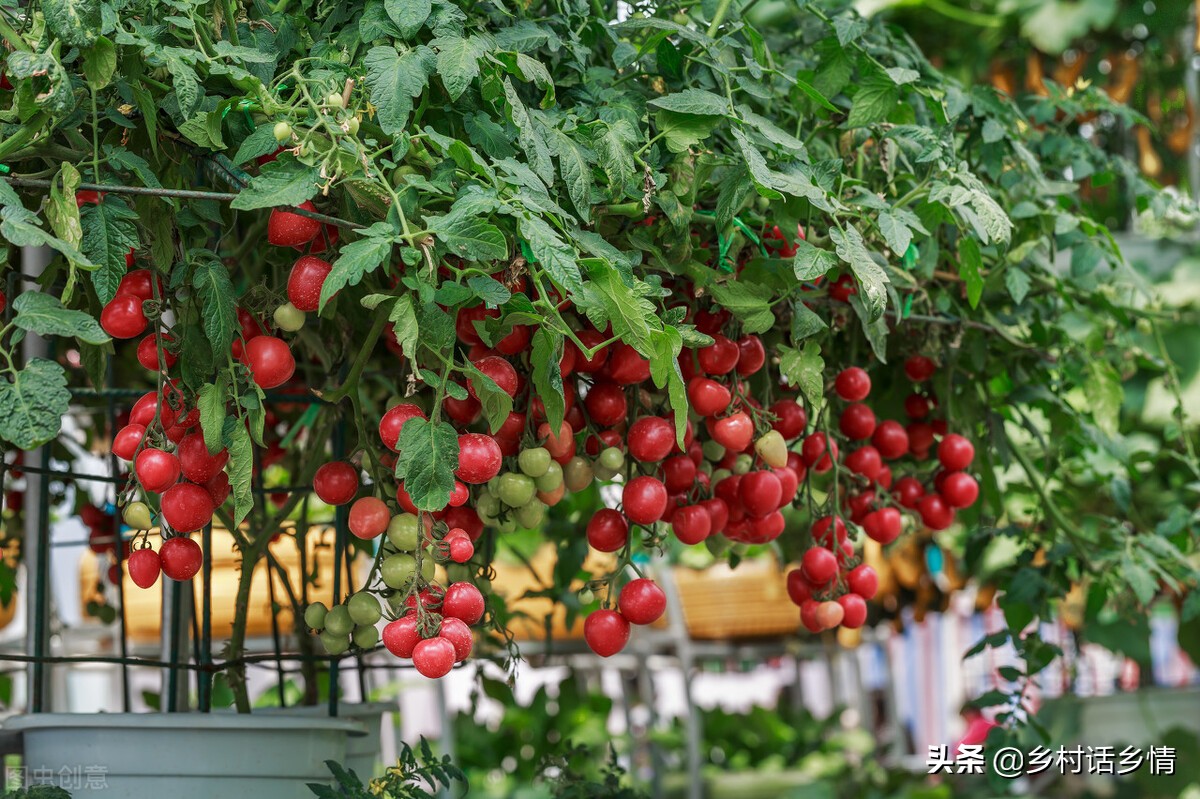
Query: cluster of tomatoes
(831, 586)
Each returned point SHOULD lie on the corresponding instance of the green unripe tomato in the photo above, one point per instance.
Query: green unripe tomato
(366, 636)
(404, 532)
(107, 614)
(743, 464)
(552, 479)
(713, 451)
(397, 570)
(137, 515)
(516, 489)
(401, 173)
(427, 567)
(364, 608)
(604, 475)
(534, 461)
(611, 458)
(335, 644)
(530, 515)
(338, 621)
(303, 149)
(314, 615)
(488, 505)
(493, 485)
(719, 475)
(334, 100)
(1144, 326)
(282, 131)
(578, 473)
(586, 596)
(508, 524)
(681, 18)
(705, 467)
(352, 126)
(288, 318)
(458, 572)
(762, 204)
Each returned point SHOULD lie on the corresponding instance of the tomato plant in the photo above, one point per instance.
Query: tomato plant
(783, 285)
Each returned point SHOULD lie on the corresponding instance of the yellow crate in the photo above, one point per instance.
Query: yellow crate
(750, 601)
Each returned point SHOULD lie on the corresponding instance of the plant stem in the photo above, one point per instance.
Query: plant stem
(10, 35)
(719, 17)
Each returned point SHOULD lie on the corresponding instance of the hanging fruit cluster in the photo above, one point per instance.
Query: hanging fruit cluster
(832, 585)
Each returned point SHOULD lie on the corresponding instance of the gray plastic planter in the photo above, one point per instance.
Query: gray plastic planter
(181, 755)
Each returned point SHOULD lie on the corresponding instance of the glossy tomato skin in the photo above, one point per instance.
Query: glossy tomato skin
(626, 366)
(126, 441)
(790, 418)
(936, 513)
(606, 632)
(500, 371)
(891, 439)
(147, 353)
(734, 432)
(196, 463)
(751, 355)
(651, 438)
(123, 317)
(760, 493)
(306, 280)
(857, 422)
(918, 368)
(393, 422)
(718, 358)
(400, 637)
(956, 452)
(852, 384)
(288, 229)
(156, 470)
(336, 483)
(819, 565)
(368, 518)
(707, 397)
(606, 403)
(144, 566)
(181, 558)
(883, 525)
(863, 581)
(641, 601)
(959, 489)
(644, 499)
(692, 524)
(607, 530)
(433, 657)
(479, 458)
(270, 361)
(463, 601)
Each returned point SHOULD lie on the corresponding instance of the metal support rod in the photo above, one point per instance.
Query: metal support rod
(113, 472)
(204, 678)
(37, 524)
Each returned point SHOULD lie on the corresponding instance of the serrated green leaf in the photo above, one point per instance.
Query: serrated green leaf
(749, 302)
(488, 289)
(496, 403)
(108, 236)
(805, 322)
(62, 212)
(458, 62)
(553, 254)
(259, 143)
(33, 402)
(811, 262)
(616, 145)
(100, 62)
(358, 259)
(666, 346)
(241, 469)
(547, 379)
(618, 304)
(469, 237)
(282, 182)
(693, 101)
(75, 22)
(874, 100)
(895, 232)
(44, 314)
(872, 280)
(409, 15)
(683, 131)
(404, 325)
(970, 266)
(805, 369)
(1017, 281)
(772, 183)
(428, 460)
(537, 151)
(211, 403)
(875, 330)
(575, 168)
(394, 80)
(214, 293)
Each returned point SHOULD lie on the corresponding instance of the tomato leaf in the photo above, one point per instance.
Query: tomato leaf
(497, 405)
(241, 468)
(44, 314)
(805, 368)
(215, 294)
(357, 259)
(547, 379)
(282, 182)
(970, 265)
(428, 460)
(33, 403)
